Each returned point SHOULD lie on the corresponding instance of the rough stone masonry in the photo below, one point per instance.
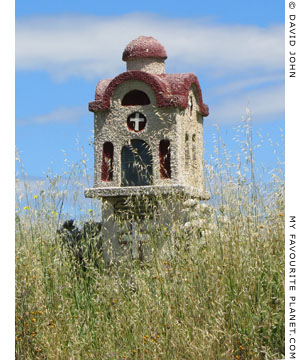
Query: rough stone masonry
(148, 128)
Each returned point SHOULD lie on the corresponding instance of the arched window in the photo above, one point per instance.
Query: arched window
(136, 164)
(194, 148)
(190, 105)
(165, 159)
(187, 151)
(107, 162)
(135, 97)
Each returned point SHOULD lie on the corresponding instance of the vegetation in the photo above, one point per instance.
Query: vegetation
(220, 297)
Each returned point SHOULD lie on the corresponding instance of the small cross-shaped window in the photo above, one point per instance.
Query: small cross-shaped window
(136, 122)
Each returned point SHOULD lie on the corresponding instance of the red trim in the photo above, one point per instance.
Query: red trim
(171, 90)
(130, 123)
(165, 159)
(107, 162)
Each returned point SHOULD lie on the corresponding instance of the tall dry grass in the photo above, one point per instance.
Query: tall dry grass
(221, 297)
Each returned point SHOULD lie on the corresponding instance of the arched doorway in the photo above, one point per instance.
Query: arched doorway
(136, 164)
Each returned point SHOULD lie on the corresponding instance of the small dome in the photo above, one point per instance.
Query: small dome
(144, 47)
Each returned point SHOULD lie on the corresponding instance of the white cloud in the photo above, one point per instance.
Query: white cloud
(264, 105)
(248, 57)
(59, 115)
(235, 86)
(92, 46)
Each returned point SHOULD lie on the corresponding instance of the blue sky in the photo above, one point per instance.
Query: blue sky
(63, 48)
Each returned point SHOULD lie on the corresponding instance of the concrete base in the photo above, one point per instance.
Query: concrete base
(153, 190)
(135, 228)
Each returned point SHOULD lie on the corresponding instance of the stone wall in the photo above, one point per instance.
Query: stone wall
(152, 66)
(112, 126)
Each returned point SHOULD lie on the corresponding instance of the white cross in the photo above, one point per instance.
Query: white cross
(137, 120)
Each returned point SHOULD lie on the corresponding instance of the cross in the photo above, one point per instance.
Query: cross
(137, 120)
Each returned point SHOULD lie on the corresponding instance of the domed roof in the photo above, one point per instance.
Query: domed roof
(144, 47)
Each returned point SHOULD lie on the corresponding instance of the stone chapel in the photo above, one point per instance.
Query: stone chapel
(148, 136)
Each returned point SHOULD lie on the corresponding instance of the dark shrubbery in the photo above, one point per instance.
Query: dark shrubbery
(83, 245)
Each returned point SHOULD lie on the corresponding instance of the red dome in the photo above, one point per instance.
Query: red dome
(144, 47)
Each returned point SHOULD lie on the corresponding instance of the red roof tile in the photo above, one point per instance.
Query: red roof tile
(171, 90)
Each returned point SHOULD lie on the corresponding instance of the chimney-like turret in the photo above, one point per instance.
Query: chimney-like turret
(145, 54)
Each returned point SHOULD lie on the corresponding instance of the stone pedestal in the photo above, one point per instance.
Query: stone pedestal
(134, 227)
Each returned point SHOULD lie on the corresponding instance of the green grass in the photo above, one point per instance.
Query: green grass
(222, 297)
